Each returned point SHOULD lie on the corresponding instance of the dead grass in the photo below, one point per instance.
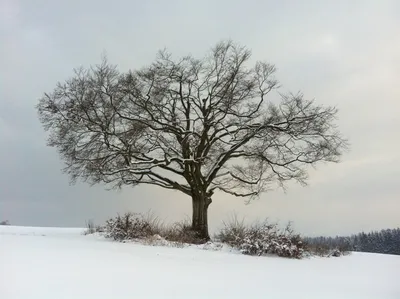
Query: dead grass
(147, 227)
(91, 228)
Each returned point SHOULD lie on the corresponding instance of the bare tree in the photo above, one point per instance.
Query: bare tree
(190, 125)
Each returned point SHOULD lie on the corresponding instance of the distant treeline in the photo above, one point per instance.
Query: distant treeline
(385, 241)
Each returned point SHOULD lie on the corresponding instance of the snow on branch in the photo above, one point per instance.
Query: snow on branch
(188, 124)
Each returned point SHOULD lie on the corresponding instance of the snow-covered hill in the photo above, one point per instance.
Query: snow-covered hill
(62, 263)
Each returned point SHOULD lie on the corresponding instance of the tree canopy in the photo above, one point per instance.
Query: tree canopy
(192, 125)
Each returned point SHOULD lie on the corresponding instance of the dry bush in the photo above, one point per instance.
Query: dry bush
(155, 223)
(233, 231)
(150, 229)
(262, 238)
(324, 250)
(182, 232)
(132, 226)
(128, 227)
(91, 228)
(320, 250)
(328, 246)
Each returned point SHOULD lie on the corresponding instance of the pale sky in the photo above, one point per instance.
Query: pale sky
(342, 53)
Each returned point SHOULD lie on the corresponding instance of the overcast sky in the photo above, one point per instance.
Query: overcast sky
(343, 53)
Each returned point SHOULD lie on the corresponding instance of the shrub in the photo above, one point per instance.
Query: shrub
(150, 229)
(91, 228)
(321, 246)
(336, 253)
(326, 251)
(233, 232)
(318, 249)
(182, 232)
(128, 227)
(5, 222)
(265, 238)
(262, 238)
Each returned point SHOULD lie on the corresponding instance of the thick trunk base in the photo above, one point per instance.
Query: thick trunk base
(200, 218)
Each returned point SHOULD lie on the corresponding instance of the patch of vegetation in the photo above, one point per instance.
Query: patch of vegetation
(91, 228)
(262, 238)
(257, 239)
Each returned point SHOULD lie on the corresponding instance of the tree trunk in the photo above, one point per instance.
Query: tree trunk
(200, 217)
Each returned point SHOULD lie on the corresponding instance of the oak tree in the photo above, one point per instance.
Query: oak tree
(192, 125)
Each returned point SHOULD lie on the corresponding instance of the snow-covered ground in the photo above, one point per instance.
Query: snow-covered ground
(61, 263)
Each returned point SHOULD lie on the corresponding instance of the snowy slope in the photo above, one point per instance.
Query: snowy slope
(61, 263)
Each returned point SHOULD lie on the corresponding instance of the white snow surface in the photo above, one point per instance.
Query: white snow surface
(62, 263)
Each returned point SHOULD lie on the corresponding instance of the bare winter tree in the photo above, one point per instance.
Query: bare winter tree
(190, 125)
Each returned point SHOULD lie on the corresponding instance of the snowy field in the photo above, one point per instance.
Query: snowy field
(61, 263)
